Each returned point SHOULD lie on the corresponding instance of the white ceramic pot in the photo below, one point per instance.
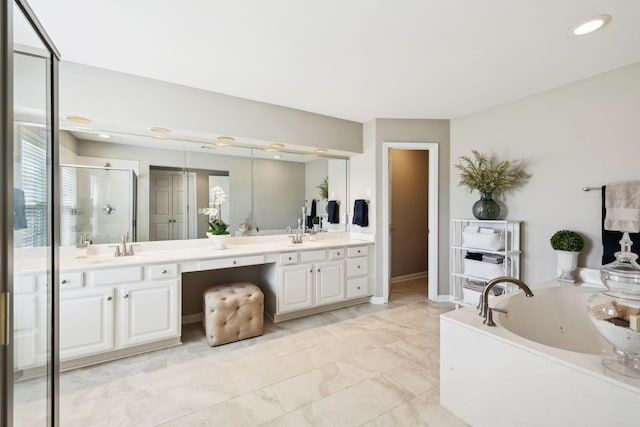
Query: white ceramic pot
(567, 263)
(219, 240)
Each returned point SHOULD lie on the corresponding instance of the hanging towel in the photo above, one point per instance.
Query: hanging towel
(360, 213)
(312, 214)
(333, 212)
(19, 210)
(623, 206)
(611, 239)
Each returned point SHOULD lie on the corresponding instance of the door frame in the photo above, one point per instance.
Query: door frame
(432, 224)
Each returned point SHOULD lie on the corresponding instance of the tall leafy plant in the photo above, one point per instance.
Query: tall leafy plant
(486, 175)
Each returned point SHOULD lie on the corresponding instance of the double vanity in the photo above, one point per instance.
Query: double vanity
(112, 307)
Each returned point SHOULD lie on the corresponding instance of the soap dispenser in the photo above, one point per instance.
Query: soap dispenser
(82, 247)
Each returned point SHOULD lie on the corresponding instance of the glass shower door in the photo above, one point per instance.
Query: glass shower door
(28, 267)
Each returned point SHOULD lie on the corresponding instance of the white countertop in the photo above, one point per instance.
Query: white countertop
(101, 256)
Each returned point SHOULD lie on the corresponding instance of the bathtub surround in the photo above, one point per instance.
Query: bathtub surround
(545, 351)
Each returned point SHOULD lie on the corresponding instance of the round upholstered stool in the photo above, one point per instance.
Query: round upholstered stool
(232, 312)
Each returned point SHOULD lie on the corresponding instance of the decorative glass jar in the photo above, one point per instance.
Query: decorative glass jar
(616, 312)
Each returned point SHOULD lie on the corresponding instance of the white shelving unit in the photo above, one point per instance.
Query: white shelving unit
(463, 272)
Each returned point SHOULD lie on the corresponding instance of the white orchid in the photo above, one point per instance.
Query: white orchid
(208, 211)
(217, 196)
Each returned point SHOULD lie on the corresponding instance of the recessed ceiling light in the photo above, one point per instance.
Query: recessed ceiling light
(277, 156)
(226, 138)
(591, 25)
(276, 145)
(104, 135)
(320, 150)
(269, 150)
(160, 130)
(78, 119)
(221, 144)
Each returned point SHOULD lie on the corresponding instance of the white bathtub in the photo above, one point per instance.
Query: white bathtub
(541, 364)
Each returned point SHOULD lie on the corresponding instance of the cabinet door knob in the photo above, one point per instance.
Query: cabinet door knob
(311, 271)
(235, 262)
(126, 296)
(358, 266)
(358, 250)
(318, 270)
(289, 258)
(358, 287)
(338, 253)
(164, 271)
(63, 281)
(109, 298)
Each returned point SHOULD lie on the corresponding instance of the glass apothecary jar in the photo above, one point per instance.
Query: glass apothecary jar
(615, 312)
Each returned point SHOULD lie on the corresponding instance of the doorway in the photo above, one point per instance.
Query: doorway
(409, 190)
(429, 237)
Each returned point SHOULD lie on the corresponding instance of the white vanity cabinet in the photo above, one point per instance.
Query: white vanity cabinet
(86, 322)
(148, 311)
(314, 280)
(295, 291)
(119, 308)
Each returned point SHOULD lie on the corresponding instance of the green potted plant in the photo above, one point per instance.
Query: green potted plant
(324, 188)
(567, 245)
(217, 227)
(489, 177)
(316, 223)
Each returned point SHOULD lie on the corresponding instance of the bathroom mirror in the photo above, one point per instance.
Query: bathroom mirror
(266, 189)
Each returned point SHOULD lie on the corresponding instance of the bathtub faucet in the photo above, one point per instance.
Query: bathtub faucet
(485, 311)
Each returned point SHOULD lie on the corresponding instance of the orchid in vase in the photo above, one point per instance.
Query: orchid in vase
(217, 226)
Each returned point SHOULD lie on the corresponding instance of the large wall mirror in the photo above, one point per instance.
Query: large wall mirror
(154, 188)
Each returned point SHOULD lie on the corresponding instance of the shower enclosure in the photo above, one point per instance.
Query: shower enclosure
(98, 204)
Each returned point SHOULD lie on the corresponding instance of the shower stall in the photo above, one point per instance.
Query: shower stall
(98, 204)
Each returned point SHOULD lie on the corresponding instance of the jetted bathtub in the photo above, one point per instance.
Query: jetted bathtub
(540, 366)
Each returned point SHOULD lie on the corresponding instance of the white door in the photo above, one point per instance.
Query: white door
(148, 312)
(86, 322)
(168, 205)
(329, 282)
(296, 288)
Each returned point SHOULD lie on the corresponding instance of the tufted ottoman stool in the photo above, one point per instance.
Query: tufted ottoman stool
(232, 312)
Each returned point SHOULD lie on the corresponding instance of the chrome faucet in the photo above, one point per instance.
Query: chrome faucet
(485, 310)
(297, 238)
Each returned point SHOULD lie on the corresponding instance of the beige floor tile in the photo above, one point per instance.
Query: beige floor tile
(307, 416)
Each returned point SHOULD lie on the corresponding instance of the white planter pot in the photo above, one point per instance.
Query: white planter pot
(567, 263)
(219, 240)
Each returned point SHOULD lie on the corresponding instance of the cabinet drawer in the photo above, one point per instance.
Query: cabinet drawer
(336, 253)
(114, 276)
(310, 256)
(357, 267)
(289, 258)
(357, 287)
(214, 264)
(357, 251)
(163, 271)
(71, 280)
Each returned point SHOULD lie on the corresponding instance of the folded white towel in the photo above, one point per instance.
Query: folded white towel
(622, 201)
(488, 230)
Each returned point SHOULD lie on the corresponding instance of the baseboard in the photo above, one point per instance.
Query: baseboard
(406, 277)
(192, 318)
(377, 300)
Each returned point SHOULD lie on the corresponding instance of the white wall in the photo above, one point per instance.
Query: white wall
(138, 102)
(582, 134)
(365, 175)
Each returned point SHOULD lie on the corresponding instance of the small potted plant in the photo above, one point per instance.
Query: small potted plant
(489, 178)
(316, 223)
(567, 245)
(217, 227)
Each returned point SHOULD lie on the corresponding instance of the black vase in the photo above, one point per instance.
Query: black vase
(486, 207)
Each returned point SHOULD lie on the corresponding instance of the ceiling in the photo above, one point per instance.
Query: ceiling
(355, 59)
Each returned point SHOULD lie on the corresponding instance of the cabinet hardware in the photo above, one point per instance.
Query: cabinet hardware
(358, 287)
(63, 281)
(109, 298)
(235, 262)
(126, 296)
(289, 258)
(318, 270)
(164, 271)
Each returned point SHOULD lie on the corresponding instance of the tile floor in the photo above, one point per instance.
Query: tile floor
(368, 365)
